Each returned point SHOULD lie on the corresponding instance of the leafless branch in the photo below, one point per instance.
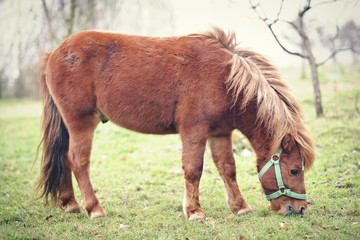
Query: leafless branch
(48, 18)
(282, 46)
(90, 13)
(280, 9)
(333, 54)
(306, 8)
(71, 18)
(324, 2)
(266, 19)
(336, 34)
(297, 29)
(269, 23)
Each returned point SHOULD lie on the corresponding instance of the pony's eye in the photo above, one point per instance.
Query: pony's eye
(294, 172)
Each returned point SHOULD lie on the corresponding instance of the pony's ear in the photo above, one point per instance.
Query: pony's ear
(288, 143)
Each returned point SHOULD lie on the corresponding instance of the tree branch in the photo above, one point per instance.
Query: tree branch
(333, 54)
(90, 14)
(297, 29)
(282, 46)
(48, 18)
(280, 9)
(306, 8)
(265, 19)
(71, 19)
(269, 23)
(324, 2)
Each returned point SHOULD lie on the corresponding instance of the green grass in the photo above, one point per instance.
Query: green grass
(138, 180)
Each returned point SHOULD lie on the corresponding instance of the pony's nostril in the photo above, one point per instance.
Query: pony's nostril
(302, 211)
(291, 209)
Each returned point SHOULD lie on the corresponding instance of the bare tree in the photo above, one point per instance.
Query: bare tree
(3, 81)
(65, 13)
(298, 24)
(33, 26)
(350, 36)
(17, 49)
(64, 17)
(3, 66)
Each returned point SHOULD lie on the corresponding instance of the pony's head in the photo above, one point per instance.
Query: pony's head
(282, 178)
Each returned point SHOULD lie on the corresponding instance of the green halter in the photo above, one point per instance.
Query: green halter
(286, 192)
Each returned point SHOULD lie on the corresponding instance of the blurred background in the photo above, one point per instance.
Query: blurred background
(28, 27)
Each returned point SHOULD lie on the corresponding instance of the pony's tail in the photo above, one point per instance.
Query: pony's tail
(55, 142)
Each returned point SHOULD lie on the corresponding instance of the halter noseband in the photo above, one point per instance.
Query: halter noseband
(280, 183)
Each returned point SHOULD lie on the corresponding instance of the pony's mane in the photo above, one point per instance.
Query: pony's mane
(254, 78)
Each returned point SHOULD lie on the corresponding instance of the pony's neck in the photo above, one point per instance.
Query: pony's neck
(258, 136)
(261, 143)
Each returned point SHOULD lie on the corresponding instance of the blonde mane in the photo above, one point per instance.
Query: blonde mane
(254, 77)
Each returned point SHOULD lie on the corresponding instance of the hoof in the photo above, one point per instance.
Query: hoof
(72, 207)
(198, 216)
(244, 211)
(98, 213)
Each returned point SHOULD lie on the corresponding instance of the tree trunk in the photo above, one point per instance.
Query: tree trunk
(20, 89)
(303, 69)
(315, 79)
(314, 73)
(316, 86)
(71, 19)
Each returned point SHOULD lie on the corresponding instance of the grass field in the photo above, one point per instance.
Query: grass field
(138, 179)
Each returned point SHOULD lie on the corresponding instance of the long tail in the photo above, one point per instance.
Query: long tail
(55, 142)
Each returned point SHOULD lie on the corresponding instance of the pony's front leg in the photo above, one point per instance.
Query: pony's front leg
(222, 154)
(193, 142)
(67, 197)
(79, 159)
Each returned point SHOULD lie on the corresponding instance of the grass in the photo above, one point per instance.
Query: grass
(138, 180)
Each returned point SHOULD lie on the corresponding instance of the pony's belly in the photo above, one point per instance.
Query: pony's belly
(144, 127)
(145, 118)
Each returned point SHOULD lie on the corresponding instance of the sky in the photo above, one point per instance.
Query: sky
(191, 16)
(236, 15)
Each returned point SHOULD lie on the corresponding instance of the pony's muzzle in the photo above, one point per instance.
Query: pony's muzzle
(291, 211)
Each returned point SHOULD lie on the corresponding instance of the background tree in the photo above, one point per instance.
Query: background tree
(35, 26)
(302, 31)
(350, 36)
(65, 16)
(18, 49)
(3, 81)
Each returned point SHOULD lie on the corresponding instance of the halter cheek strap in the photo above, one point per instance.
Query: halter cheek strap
(280, 183)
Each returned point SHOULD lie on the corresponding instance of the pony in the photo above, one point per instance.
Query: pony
(201, 86)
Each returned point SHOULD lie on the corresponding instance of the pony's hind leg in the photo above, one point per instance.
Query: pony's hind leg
(80, 144)
(222, 154)
(193, 142)
(67, 197)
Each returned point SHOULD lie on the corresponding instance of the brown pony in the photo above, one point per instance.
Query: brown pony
(201, 86)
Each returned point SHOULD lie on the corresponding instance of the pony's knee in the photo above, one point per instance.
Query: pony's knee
(77, 162)
(192, 173)
(230, 173)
